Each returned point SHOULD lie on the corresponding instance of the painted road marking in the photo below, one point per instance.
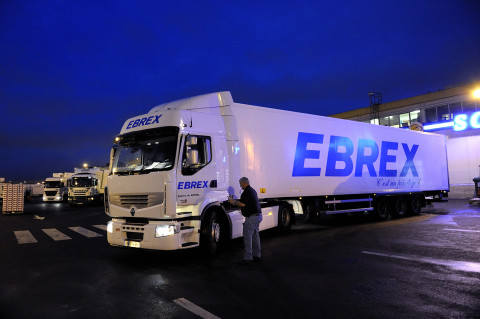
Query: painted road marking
(85, 232)
(102, 227)
(466, 266)
(194, 308)
(24, 237)
(55, 234)
(463, 230)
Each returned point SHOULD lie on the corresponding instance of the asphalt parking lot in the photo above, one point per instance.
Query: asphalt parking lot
(424, 266)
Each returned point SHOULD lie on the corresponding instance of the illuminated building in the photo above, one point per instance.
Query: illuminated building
(453, 112)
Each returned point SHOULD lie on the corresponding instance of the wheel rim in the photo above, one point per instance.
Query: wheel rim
(215, 232)
(401, 207)
(382, 209)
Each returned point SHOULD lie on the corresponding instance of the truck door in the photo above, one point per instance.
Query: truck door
(196, 172)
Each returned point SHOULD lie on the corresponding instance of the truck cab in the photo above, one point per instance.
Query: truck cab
(55, 189)
(86, 186)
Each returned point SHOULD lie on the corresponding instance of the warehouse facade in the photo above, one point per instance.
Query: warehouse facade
(453, 112)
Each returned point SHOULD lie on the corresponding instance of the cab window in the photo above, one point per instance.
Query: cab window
(197, 153)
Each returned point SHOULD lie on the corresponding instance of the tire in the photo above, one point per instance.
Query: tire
(415, 205)
(400, 207)
(382, 208)
(284, 218)
(210, 235)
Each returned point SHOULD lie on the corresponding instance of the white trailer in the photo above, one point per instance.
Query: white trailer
(87, 185)
(173, 168)
(2, 182)
(55, 188)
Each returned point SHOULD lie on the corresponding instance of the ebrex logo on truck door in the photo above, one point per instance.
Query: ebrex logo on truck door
(387, 152)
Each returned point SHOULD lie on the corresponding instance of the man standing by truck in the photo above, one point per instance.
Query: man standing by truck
(250, 207)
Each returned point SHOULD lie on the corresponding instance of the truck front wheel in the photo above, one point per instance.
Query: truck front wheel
(210, 235)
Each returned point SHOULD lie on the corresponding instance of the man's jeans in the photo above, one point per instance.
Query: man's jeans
(251, 237)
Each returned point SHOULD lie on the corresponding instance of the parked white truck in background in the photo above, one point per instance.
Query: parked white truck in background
(55, 188)
(87, 185)
(173, 168)
(2, 180)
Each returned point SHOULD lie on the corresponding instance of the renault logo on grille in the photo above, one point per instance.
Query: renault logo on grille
(132, 211)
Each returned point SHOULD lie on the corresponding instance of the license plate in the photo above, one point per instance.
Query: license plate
(133, 244)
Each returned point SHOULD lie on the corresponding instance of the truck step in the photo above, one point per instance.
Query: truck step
(187, 229)
(330, 212)
(189, 244)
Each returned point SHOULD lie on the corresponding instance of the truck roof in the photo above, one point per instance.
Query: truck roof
(215, 99)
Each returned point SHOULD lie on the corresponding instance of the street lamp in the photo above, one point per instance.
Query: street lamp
(476, 93)
(85, 165)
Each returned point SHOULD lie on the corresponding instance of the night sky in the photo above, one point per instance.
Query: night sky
(71, 72)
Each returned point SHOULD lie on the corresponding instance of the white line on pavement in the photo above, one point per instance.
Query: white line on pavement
(85, 232)
(102, 227)
(194, 308)
(55, 234)
(24, 237)
(466, 266)
(463, 230)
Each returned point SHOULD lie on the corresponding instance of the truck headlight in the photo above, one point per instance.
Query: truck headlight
(164, 230)
(110, 227)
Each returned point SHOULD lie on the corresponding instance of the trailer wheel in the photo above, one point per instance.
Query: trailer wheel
(415, 206)
(210, 235)
(284, 218)
(382, 208)
(400, 207)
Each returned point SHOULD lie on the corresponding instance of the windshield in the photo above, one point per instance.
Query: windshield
(144, 152)
(53, 184)
(81, 182)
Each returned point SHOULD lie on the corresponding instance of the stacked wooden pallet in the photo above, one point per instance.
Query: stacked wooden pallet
(13, 200)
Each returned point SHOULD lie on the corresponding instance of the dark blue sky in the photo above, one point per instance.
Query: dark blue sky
(71, 72)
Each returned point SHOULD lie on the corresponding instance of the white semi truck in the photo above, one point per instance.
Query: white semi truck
(87, 185)
(55, 188)
(173, 169)
(2, 180)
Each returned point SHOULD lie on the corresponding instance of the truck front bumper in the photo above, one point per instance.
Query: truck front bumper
(158, 235)
(52, 199)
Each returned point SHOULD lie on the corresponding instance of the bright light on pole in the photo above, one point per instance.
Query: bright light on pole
(85, 165)
(476, 93)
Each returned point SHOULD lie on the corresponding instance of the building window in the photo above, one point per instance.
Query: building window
(415, 116)
(385, 121)
(431, 115)
(469, 106)
(455, 109)
(394, 120)
(404, 120)
(374, 121)
(443, 113)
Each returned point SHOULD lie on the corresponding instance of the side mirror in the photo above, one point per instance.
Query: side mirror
(192, 157)
(191, 140)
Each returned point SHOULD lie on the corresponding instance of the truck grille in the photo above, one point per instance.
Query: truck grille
(50, 193)
(137, 200)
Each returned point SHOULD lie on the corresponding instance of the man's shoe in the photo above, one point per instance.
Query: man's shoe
(257, 259)
(245, 262)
